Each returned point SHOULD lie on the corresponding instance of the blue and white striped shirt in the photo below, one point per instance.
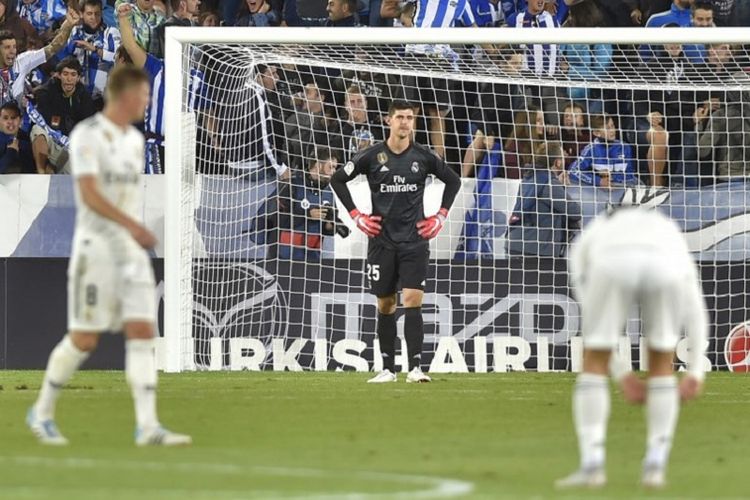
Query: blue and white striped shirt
(42, 14)
(540, 59)
(440, 14)
(154, 121)
(95, 69)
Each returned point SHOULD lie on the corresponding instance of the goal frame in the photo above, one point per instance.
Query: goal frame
(176, 328)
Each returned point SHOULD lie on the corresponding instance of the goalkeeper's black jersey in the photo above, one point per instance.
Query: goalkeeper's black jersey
(397, 183)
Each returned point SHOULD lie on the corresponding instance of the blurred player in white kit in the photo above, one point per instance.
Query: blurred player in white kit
(634, 256)
(111, 283)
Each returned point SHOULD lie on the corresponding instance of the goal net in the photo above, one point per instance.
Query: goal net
(266, 270)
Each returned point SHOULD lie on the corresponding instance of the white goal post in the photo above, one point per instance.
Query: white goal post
(182, 236)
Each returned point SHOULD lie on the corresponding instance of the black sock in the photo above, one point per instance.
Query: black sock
(414, 334)
(387, 338)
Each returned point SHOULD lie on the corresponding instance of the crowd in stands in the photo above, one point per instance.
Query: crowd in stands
(55, 57)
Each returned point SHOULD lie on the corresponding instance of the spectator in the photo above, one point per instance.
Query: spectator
(15, 148)
(528, 133)
(307, 210)
(702, 14)
(229, 10)
(725, 12)
(574, 132)
(544, 218)
(482, 160)
(14, 67)
(26, 36)
(309, 126)
(62, 102)
(499, 101)
(542, 60)
(606, 13)
(380, 89)
(358, 130)
(42, 15)
(663, 113)
(724, 141)
(153, 126)
(143, 20)
(639, 11)
(513, 8)
(340, 13)
(607, 161)
(487, 13)
(587, 63)
(258, 13)
(94, 44)
(209, 18)
(435, 93)
(184, 12)
(679, 13)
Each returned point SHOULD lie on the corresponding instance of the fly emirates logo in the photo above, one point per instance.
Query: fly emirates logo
(399, 186)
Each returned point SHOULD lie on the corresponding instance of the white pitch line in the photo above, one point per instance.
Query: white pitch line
(437, 487)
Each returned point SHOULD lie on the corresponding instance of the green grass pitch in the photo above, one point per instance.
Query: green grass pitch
(330, 435)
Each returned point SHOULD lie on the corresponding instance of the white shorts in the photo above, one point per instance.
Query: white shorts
(105, 291)
(615, 284)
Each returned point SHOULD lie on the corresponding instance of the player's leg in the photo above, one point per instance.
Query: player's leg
(414, 333)
(381, 271)
(413, 261)
(386, 330)
(65, 359)
(40, 149)
(140, 372)
(90, 281)
(605, 305)
(661, 310)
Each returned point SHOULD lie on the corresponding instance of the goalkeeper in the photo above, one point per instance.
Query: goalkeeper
(398, 250)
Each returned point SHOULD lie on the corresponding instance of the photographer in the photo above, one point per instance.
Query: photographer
(307, 210)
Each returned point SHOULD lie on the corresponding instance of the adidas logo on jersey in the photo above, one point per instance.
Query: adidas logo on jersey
(384, 169)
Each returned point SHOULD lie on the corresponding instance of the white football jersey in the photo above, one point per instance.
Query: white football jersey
(115, 156)
(642, 250)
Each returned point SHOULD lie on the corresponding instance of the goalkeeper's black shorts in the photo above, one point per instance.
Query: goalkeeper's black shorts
(389, 266)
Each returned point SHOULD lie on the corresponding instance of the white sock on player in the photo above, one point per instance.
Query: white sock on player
(591, 404)
(662, 410)
(63, 362)
(140, 372)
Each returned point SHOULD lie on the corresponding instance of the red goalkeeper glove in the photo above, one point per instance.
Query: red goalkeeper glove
(431, 226)
(368, 224)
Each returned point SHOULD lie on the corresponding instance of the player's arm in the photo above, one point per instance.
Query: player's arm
(84, 161)
(127, 36)
(696, 327)
(88, 185)
(431, 226)
(368, 224)
(61, 38)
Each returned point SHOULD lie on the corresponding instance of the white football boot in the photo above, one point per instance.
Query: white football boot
(417, 376)
(46, 431)
(583, 478)
(161, 437)
(383, 377)
(653, 477)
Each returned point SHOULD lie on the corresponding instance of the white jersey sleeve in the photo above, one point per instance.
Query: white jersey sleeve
(25, 62)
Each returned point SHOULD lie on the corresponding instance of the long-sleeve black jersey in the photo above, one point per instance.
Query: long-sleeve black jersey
(397, 183)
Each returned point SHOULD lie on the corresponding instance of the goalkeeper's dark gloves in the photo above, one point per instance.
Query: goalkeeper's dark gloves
(368, 224)
(431, 226)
